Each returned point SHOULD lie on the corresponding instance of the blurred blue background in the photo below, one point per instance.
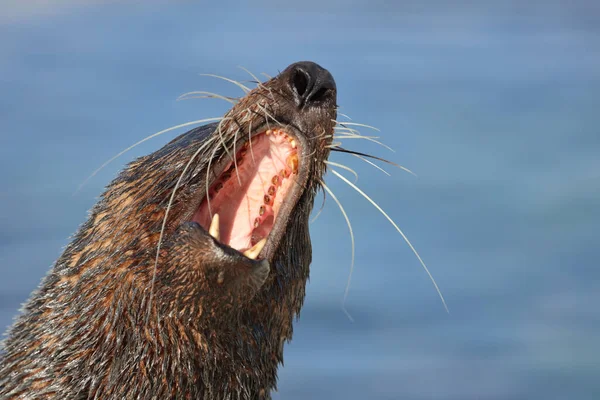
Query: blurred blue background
(493, 104)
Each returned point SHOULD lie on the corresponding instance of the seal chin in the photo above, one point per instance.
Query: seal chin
(243, 204)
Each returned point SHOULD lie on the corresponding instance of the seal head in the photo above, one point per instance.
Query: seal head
(185, 280)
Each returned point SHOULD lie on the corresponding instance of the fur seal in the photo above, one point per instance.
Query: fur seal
(186, 278)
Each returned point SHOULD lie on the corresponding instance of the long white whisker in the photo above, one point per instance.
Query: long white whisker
(258, 81)
(352, 240)
(349, 134)
(357, 124)
(204, 95)
(333, 144)
(342, 136)
(206, 186)
(237, 173)
(399, 231)
(353, 172)
(375, 141)
(219, 128)
(320, 210)
(200, 121)
(372, 163)
(164, 223)
(243, 87)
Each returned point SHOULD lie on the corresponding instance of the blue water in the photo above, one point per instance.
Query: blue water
(495, 106)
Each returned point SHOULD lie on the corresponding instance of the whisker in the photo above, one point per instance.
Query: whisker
(219, 127)
(243, 87)
(258, 81)
(200, 121)
(344, 115)
(339, 127)
(355, 134)
(266, 75)
(353, 172)
(212, 156)
(375, 141)
(250, 142)
(235, 157)
(268, 115)
(357, 124)
(335, 147)
(352, 241)
(164, 223)
(342, 136)
(320, 209)
(207, 95)
(399, 231)
(372, 163)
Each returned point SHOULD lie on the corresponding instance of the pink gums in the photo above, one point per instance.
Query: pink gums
(248, 206)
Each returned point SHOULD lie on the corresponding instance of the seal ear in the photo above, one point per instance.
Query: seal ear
(198, 266)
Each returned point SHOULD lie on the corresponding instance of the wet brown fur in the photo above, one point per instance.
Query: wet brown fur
(95, 330)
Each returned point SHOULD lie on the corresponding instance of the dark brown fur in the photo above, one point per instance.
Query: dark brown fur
(95, 330)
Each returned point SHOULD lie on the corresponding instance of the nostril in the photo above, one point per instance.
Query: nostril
(300, 82)
(311, 84)
(319, 95)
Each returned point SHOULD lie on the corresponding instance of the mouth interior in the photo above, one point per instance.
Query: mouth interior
(249, 194)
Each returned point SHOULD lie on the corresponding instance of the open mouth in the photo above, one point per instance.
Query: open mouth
(243, 203)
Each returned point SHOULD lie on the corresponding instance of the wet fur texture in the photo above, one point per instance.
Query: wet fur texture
(95, 330)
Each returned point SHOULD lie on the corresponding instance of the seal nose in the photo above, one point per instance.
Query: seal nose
(311, 83)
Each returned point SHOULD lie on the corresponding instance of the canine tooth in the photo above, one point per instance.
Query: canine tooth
(293, 142)
(214, 227)
(292, 162)
(255, 250)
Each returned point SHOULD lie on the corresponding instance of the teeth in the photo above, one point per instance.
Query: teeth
(261, 211)
(292, 162)
(275, 180)
(255, 250)
(267, 199)
(271, 191)
(293, 142)
(269, 131)
(214, 227)
(256, 222)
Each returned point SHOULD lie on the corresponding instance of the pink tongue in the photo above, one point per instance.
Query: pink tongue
(247, 211)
